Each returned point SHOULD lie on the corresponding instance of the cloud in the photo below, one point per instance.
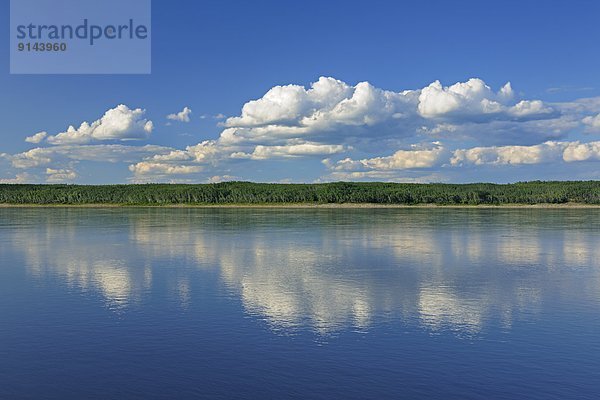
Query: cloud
(119, 123)
(289, 104)
(216, 116)
(331, 110)
(331, 117)
(406, 159)
(113, 153)
(576, 151)
(419, 158)
(476, 99)
(526, 108)
(56, 163)
(542, 153)
(331, 103)
(439, 129)
(157, 168)
(22, 177)
(471, 97)
(400, 160)
(222, 178)
(177, 162)
(593, 122)
(182, 116)
(37, 138)
(536, 154)
(207, 151)
(562, 89)
(362, 130)
(60, 175)
(318, 113)
(293, 150)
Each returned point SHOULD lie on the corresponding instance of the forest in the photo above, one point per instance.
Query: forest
(557, 192)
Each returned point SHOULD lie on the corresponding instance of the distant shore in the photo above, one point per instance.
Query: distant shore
(309, 206)
(557, 194)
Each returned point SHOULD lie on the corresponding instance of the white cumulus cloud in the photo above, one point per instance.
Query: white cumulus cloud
(471, 97)
(182, 116)
(576, 151)
(415, 158)
(178, 162)
(476, 99)
(119, 123)
(37, 138)
(536, 154)
(406, 159)
(550, 151)
(331, 110)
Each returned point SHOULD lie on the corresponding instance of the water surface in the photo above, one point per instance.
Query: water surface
(303, 303)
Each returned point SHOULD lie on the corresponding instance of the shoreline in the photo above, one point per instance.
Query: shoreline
(312, 206)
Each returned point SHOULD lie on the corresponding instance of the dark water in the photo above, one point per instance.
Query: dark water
(270, 304)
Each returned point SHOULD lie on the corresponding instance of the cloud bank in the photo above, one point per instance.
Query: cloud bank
(347, 131)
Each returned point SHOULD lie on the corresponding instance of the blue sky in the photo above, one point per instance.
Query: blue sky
(375, 112)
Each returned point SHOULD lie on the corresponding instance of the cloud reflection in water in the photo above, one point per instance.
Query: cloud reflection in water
(324, 270)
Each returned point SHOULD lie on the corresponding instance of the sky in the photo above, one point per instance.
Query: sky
(319, 91)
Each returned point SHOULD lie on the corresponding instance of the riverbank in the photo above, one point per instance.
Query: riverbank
(333, 195)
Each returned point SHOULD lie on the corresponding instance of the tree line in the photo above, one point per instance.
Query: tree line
(537, 192)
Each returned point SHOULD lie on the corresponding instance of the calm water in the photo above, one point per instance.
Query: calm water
(268, 304)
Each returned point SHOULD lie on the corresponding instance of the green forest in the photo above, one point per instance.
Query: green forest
(587, 192)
